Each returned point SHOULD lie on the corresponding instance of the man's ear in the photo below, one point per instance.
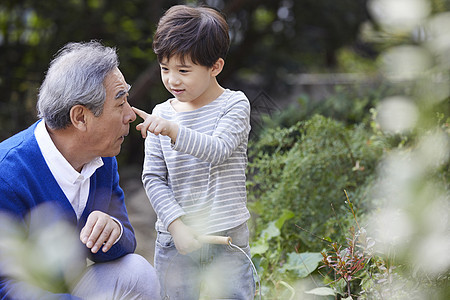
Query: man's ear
(217, 67)
(78, 116)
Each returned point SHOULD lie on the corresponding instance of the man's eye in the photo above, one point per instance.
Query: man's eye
(123, 102)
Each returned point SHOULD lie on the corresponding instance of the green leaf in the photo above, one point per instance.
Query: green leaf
(260, 247)
(302, 264)
(271, 231)
(287, 214)
(322, 291)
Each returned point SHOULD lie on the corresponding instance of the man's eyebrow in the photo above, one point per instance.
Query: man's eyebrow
(123, 92)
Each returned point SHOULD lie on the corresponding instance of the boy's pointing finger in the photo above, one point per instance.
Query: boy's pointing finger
(140, 113)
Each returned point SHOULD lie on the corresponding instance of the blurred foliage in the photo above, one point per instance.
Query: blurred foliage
(42, 253)
(388, 146)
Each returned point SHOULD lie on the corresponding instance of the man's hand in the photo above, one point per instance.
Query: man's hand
(100, 230)
(184, 238)
(156, 125)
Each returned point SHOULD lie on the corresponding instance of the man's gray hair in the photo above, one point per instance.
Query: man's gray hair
(75, 76)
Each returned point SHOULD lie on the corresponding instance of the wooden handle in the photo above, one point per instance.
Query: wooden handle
(214, 239)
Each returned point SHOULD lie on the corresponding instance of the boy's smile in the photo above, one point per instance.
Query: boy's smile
(176, 92)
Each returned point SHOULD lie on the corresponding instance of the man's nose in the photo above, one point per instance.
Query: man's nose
(130, 116)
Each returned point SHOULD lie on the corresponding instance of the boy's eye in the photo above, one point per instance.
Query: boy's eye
(164, 69)
(184, 71)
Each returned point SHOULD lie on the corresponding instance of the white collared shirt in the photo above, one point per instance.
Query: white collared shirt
(75, 185)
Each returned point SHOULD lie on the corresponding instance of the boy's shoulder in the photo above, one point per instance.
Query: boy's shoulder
(234, 92)
(163, 105)
(233, 97)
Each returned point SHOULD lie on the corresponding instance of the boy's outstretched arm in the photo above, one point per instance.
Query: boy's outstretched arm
(156, 125)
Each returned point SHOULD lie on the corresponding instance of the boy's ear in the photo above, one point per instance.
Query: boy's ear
(217, 67)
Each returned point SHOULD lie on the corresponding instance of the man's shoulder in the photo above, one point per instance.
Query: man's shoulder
(20, 161)
(18, 143)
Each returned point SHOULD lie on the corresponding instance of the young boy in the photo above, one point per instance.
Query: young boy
(195, 160)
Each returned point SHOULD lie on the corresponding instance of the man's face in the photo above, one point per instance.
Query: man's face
(107, 132)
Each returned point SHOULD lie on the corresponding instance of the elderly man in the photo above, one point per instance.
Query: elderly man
(68, 159)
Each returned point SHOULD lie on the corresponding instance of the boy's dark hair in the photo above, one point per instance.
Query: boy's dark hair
(200, 33)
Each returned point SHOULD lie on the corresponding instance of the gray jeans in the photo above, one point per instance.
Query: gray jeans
(127, 278)
(214, 271)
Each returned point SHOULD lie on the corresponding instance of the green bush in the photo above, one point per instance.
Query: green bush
(296, 182)
(305, 168)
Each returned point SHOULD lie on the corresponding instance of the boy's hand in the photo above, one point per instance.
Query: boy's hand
(156, 125)
(184, 238)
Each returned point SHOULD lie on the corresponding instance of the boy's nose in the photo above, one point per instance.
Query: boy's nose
(174, 80)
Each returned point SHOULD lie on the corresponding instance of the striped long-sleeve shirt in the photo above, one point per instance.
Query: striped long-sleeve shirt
(201, 177)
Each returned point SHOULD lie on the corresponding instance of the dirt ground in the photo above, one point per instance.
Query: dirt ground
(140, 211)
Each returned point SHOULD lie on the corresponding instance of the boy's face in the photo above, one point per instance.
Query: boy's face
(189, 83)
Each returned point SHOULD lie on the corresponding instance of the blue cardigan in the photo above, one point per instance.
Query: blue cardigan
(26, 181)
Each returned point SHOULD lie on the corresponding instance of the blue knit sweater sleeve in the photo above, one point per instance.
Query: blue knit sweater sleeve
(108, 197)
